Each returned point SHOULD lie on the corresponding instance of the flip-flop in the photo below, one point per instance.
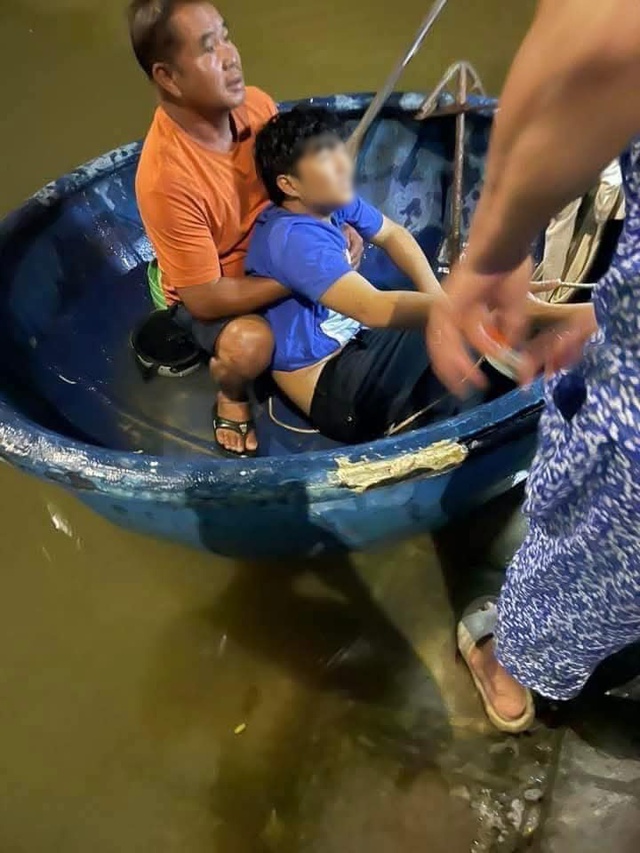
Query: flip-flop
(479, 623)
(242, 428)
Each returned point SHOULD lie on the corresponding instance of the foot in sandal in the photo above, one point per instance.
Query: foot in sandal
(508, 697)
(233, 426)
(508, 704)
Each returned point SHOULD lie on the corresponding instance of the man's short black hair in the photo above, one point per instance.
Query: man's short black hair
(287, 137)
(152, 36)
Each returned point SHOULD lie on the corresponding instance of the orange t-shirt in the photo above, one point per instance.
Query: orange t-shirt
(199, 206)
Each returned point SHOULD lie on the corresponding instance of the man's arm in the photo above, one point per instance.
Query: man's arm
(177, 226)
(229, 297)
(355, 297)
(405, 252)
(570, 105)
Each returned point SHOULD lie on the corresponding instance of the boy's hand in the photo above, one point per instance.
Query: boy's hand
(561, 346)
(355, 244)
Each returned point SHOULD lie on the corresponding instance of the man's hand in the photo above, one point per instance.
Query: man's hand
(355, 244)
(476, 304)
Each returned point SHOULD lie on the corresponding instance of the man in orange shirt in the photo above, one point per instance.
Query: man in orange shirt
(199, 196)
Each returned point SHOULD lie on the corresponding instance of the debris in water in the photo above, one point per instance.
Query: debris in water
(516, 813)
(240, 729)
(532, 822)
(46, 555)
(59, 522)
(533, 795)
(461, 793)
(222, 645)
(273, 833)
(509, 746)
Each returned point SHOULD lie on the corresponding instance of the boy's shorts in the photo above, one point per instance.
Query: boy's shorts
(381, 379)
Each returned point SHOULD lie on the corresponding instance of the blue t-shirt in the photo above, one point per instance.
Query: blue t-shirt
(307, 255)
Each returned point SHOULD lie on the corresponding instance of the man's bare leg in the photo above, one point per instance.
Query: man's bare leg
(508, 697)
(243, 352)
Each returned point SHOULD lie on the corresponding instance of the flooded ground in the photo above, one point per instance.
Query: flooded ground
(153, 699)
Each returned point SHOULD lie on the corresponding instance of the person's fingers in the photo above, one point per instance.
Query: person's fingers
(552, 350)
(356, 246)
(514, 324)
(450, 358)
(537, 353)
(483, 335)
(566, 352)
(510, 302)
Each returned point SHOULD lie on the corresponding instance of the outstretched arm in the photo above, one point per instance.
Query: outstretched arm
(569, 106)
(405, 252)
(355, 297)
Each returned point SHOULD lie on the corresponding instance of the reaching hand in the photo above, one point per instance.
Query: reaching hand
(476, 303)
(560, 346)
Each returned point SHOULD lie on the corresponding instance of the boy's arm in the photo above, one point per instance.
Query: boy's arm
(404, 251)
(355, 297)
(540, 311)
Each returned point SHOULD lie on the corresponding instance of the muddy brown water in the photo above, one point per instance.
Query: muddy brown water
(157, 699)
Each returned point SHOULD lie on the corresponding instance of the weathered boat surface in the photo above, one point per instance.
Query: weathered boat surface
(75, 411)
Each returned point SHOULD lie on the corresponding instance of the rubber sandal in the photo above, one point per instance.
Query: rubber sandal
(242, 428)
(479, 623)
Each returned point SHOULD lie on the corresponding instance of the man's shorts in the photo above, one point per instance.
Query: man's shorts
(381, 379)
(204, 333)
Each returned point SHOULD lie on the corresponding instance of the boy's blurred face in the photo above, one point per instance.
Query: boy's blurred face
(324, 178)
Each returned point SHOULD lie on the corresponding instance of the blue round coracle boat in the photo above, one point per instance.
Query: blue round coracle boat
(75, 410)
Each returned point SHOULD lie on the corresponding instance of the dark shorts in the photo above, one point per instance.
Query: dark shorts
(203, 333)
(381, 379)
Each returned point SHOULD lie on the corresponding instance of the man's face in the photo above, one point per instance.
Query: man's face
(324, 178)
(206, 71)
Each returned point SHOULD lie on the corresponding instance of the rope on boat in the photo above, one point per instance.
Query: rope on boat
(288, 427)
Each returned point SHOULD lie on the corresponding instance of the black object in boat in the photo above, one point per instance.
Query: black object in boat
(163, 348)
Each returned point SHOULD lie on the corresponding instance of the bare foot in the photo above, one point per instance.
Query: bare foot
(508, 697)
(231, 410)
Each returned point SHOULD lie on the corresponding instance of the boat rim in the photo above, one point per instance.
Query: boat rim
(92, 468)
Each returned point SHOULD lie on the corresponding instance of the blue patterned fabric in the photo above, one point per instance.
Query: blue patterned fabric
(572, 594)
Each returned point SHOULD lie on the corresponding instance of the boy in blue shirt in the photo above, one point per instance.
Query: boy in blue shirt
(351, 357)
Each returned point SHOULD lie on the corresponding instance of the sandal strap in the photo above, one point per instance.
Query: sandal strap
(241, 427)
(481, 618)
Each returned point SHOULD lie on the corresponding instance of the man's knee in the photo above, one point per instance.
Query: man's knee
(246, 346)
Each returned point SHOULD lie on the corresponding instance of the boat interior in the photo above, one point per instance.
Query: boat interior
(73, 286)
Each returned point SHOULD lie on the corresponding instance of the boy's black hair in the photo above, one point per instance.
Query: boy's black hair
(287, 137)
